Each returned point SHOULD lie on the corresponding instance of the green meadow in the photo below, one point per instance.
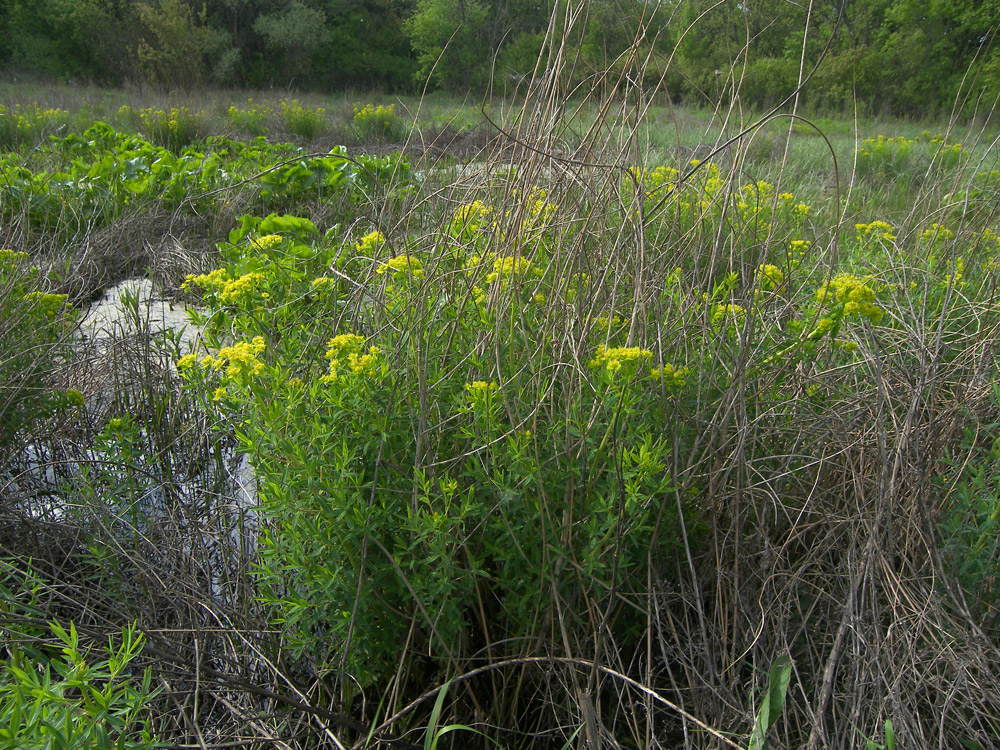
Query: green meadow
(509, 423)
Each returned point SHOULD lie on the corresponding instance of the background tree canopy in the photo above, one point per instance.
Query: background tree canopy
(906, 57)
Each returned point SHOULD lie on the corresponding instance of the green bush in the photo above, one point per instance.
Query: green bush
(378, 123)
(73, 699)
(34, 339)
(56, 693)
(304, 122)
(436, 474)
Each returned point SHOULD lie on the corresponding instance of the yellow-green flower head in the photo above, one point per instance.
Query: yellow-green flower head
(672, 377)
(343, 343)
(539, 210)
(799, 247)
(606, 326)
(470, 218)
(10, 257)
(853, 294)
(479, 388)
(991, 238)
(75, 398)
(574, 284)
(370, 244)
(402, 266)
(348, 356)
(187, 362)
(209, 282)
(770, 276)
(878, 230)
(480, 393)
(614, 359)
(511, 265)
(723, 315)
(322, 282)
(49, 304)
(242, 290)
(267, 241)
(936, 233)
(241, 359)
(955, 278)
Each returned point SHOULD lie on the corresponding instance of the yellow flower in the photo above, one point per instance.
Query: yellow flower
(370, 243)
(770, 276)
(242, 358)
(267, 242)
(347, 357)
(613, 359)
(187, 362)
(877, 229)
(936, 232)
(853, 293)
(728, 314)
(402, 266)
(242, 290)
(671, 376)
(478, 387)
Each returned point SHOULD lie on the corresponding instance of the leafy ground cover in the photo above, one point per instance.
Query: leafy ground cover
(632, 428)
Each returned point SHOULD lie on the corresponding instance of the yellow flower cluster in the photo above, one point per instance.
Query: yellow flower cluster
(402, 266)
(370, 243)
(853, 294)
(770, 276)
(612, 359)
(470, 218)
(239, 292)
(267, 241)
(49, 304)
(370, 112)
(502, 270)
(605, 325)
(510, 265)
(883, 146)
(879, 230)
(11, 257)
(348, 356)
(955, 278)
(242, 290)
(935, 233)
(799, 247)
(575, 284)
(209, 282)
(672, 377)
(723, 315)
(322, 282)
(239, 360)
(480, 388)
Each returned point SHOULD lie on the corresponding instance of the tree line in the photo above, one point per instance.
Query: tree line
(906, 57)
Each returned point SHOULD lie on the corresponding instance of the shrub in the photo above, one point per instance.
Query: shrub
(303, 122)
(34, 339)
(378, 123)
(74, 699)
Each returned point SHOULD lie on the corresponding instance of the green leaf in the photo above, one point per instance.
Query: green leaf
(774, 700)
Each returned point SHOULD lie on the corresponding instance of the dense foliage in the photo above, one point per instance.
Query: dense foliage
(590, 436)
(911, 57)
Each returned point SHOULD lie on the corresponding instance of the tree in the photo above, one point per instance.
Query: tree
(176, 45)
(448, 36)
(70, 39)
